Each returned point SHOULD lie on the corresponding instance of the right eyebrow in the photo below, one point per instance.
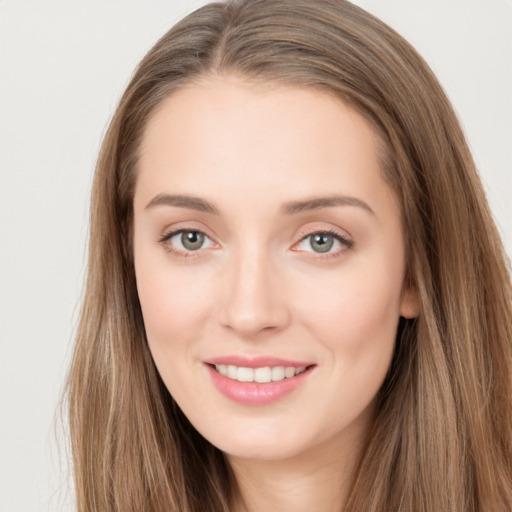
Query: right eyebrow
(181, 201)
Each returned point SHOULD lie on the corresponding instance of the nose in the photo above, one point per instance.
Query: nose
(254, 299)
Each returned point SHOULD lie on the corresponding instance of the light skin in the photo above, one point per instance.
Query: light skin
(255, 161)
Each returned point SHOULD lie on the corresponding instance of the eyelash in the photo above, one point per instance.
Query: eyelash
(345, 242)
(178, 252)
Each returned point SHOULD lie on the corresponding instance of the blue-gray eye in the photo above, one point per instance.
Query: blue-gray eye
(321, 242)
(192, 240)
(189, 240)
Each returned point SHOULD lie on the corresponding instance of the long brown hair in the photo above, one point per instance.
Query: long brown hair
(442, 435)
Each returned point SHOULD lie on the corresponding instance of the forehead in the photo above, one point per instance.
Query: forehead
(252, 140)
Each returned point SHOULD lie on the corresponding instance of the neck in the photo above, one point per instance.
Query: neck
(319, 479)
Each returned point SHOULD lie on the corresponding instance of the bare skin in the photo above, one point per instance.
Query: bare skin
(317, 481)
(263, 228)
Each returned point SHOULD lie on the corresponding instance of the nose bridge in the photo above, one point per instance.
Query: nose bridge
(253, 301)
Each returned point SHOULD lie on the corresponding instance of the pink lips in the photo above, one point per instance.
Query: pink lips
(254, 393)
(256, 362)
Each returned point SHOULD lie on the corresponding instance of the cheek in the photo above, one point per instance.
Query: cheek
(173, 309)
(354, 312)
(173, 303)
(355, 319)
(363, 297)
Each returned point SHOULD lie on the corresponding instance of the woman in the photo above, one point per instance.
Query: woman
(296, 295)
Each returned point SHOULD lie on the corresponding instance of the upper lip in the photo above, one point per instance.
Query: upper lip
(256, 361)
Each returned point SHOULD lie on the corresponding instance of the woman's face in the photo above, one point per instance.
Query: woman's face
(269, 258)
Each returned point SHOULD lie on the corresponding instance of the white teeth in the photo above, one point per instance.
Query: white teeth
(289, 371)
(232, 372)
(245, 374)
(261, 375)
(277, 373)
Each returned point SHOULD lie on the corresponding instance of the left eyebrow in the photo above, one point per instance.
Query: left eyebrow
(317, 203)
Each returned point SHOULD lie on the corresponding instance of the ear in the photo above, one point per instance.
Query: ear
(410, 301)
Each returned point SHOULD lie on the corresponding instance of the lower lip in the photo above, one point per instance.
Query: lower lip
(255, 393)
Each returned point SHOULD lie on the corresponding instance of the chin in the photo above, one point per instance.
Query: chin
(264, 450)
(264, 442)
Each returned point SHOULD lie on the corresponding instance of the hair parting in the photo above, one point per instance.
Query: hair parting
(442, 437)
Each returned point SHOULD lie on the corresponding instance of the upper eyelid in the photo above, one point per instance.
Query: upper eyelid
(168, 233)
(302, 234)
(343, 241)
(171, 232)
(165, 238)
(332, 231)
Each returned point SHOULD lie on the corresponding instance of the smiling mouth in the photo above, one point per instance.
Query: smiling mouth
(261, 375)
(260, 380)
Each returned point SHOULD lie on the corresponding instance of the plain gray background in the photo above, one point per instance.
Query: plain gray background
(63, 66)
